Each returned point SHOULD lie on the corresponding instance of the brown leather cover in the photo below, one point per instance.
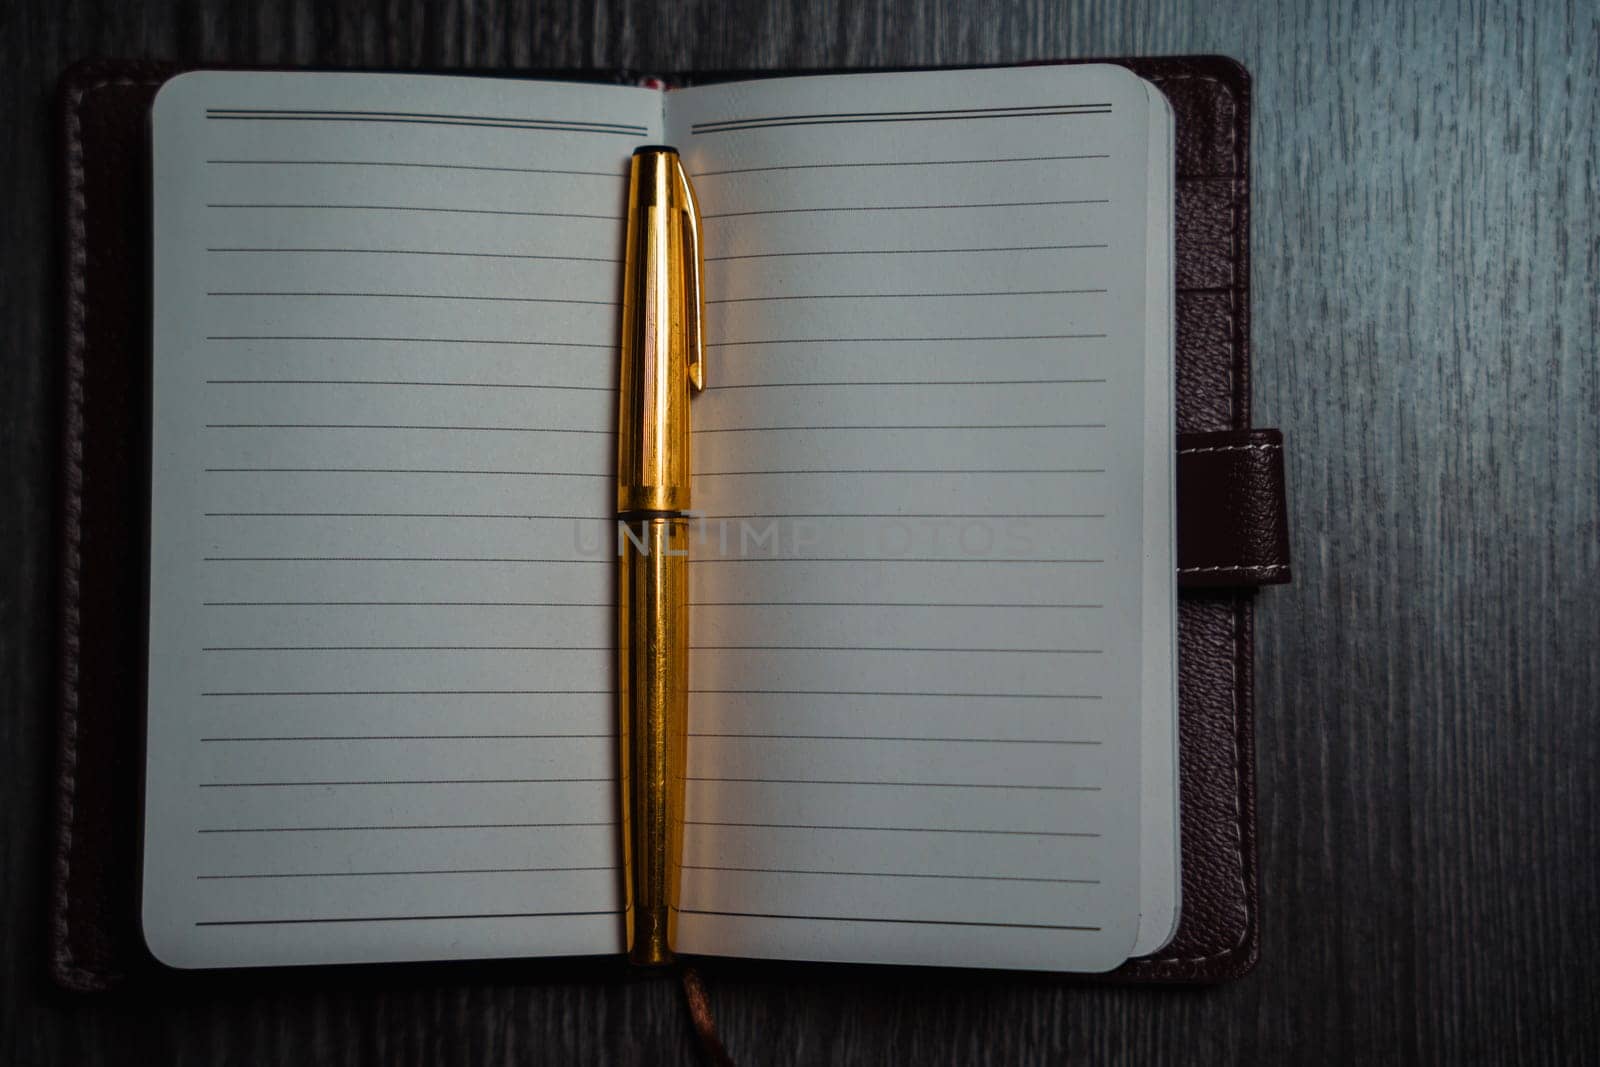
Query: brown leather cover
(1231, 529)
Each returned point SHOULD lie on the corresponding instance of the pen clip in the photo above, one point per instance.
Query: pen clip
(694, 297)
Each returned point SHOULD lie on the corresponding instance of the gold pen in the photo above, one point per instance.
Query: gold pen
(663, 356)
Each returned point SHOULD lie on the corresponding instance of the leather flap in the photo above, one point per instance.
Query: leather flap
(1233, 527)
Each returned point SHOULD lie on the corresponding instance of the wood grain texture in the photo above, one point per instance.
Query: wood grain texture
(1426, 256)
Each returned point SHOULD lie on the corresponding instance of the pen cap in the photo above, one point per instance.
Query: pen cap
(662, 347)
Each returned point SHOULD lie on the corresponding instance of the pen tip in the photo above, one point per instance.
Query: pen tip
(645, 149)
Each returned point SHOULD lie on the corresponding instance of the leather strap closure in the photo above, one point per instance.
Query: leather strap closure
(1233, 527)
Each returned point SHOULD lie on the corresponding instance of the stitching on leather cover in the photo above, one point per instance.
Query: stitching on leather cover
(72, 525)
(1268, 567)
(1269, 447)
(72, 515)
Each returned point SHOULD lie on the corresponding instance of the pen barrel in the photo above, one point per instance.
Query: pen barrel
(653, 654)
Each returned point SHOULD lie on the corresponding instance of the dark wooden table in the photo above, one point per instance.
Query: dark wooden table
(1427, 255)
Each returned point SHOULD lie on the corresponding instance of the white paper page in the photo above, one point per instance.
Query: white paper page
(1159, 842)
(916, 713)
(381, 666)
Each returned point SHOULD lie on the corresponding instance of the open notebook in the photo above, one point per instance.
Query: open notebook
(932, 716)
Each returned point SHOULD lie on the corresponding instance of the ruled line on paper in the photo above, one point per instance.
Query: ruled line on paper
(917, 738)
(707, 516)
(405, 382)
(888, 829)
(905, 470)
(907, 251)
(411, 340)
(403, 604)
(971, 560)
(871, 207)
(320, 784)
(904, 693)
(903, 340)
(609, 260)
(912, 426)
(402, 692)
(880, 919)
(394, 515)
(400, 827)
(403, 470)
(400, 559)
(900, 296)
(895, 163)
(400, 426)
(423, 208)
(860, 117)
(412, 737)
(416, 296)
(893, 784)
(890, 874)
(398, 874)
(408, 918)
(896, 648)
(618, 174)
(888, 604)
(426, 118)
(1006, 111)
(907, 382)
(407, 648)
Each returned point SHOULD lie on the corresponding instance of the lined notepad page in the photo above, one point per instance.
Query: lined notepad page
(920, 610)
(381, 656)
